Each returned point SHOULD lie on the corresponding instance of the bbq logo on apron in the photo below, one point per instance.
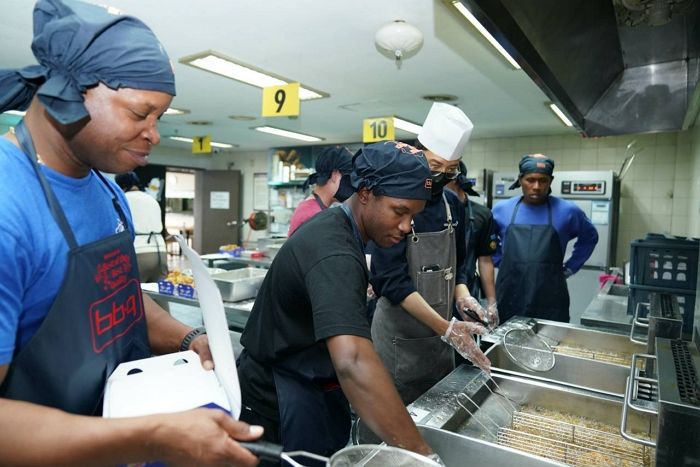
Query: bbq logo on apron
(114, 315)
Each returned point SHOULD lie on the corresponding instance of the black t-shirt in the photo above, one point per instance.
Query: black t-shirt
(316, 288)
(484, 237)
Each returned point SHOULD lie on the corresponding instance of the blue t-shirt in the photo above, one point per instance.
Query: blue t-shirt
(567, 218)
(33, 250)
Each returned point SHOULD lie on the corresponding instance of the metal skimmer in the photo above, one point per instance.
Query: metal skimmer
(571, 444)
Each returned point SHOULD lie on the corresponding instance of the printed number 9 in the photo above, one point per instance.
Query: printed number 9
(280, 96)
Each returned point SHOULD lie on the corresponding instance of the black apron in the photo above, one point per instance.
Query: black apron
(531, 278)
(314, 413)
(95, 323)
(473, 282)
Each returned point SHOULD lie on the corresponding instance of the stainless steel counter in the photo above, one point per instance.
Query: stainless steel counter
(608, 310)
(217, 260)
(236, 312)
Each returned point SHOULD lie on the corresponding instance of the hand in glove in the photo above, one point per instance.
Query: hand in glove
(492, 316)
(471, 303)
(458, 335)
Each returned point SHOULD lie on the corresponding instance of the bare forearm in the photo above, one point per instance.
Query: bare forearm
(486, 273)
(165, 333)
(371, 392)
(36, 435)
(417, 307)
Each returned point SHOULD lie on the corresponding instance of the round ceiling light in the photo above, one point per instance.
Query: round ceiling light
(398, 40)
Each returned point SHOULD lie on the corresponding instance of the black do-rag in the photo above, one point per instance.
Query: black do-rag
(332, 158)
(78, 46)
(464, 183)
(533, 163)
(391, 168)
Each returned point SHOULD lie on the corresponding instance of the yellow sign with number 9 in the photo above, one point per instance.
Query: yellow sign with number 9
(281, 101)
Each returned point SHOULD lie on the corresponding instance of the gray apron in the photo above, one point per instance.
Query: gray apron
(414, 355)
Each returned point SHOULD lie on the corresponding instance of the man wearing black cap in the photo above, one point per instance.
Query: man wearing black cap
(332, 180)
(307, 347)
(71, 307)
(481, 241)
(534, 230)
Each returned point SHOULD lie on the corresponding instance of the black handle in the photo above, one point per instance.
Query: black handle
(475, 316)
(264, 449)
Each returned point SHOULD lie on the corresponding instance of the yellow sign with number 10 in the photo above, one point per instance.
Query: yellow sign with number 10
(377, 129)
(281, 101)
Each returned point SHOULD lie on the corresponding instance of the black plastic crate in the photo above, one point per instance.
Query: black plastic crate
(686, 302)
(664, 262)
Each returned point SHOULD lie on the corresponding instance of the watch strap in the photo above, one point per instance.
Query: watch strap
(190, 336)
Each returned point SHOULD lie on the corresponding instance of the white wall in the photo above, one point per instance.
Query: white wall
(656, 193)
(694, 192)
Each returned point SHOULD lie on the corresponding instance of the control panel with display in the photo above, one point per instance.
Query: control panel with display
(582, 188)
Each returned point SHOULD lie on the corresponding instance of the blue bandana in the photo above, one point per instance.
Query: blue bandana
(77, 47)
(332, 158)
(391, 168)
(533, 163)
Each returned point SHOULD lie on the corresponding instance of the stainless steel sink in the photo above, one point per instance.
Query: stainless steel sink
(458, 450)
(486, 412)
(585, 358)
(617, 290)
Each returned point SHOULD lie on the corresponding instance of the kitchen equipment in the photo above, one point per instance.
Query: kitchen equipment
(368, 455)
(565, 425)
(475, 316)
(528, 350)
(585, 358)
(239, 284)
(672, 394)
(664, 319)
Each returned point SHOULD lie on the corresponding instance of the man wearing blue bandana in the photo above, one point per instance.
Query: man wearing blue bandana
(534, 230)
(307, 348)
(71, 307)
(420, 278)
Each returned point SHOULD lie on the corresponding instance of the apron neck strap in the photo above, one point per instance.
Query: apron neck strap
(355, 228)
(517, 206)
(319, 201)
(25, 141)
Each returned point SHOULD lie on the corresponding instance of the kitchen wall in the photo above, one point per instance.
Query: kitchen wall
(655, 193)
(694, 203)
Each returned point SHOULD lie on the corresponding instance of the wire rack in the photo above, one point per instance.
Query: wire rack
(620, 358)
(571, 444)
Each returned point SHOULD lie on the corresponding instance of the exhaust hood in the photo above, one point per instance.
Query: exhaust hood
(613, 66)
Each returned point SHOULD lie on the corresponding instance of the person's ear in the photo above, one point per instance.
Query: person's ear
(363, 195)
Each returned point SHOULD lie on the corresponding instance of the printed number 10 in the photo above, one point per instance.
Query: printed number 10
(379, 129)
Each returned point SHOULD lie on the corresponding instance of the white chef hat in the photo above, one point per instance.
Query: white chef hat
(446, 131)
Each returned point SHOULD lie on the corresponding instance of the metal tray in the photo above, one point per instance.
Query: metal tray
(239, 284)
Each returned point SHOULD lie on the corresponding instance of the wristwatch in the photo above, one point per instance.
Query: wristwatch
(189, 337)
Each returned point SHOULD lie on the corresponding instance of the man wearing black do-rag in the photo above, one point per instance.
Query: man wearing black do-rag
(71, 308)
(307, 342)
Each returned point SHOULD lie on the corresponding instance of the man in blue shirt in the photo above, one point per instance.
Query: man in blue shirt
(534, 230)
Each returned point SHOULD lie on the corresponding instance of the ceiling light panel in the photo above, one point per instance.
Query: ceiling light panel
(214, 144)
(405, 125)
(215, 62)
(286, 133)
(487, 35)
(557, 111)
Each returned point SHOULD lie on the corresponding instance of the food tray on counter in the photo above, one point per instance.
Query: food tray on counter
(239, 284)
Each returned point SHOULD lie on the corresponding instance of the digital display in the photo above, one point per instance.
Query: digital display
(588, 187)
(569, 187)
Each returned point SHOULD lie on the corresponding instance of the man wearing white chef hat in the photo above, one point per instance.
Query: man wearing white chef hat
(418, 278)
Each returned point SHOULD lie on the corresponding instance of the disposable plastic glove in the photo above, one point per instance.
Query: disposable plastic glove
(435, 458)
(471, 303)
(492, 316)
(458, 335)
